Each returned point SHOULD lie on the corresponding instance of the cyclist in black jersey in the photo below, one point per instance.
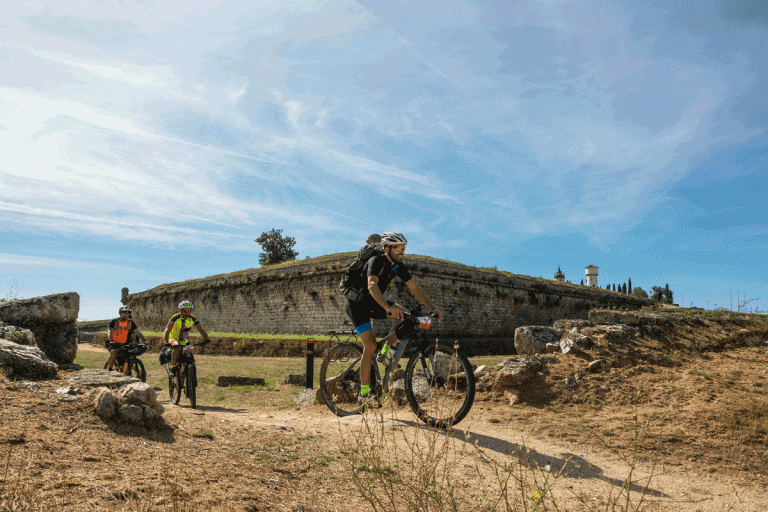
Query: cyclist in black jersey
(380, 270)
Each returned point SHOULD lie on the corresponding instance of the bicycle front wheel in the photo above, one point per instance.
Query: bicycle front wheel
(174, 387)
(340, 378)
(192, 385)
(136, 368)
(440, 385)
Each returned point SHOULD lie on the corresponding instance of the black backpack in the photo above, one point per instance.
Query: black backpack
(353, 284)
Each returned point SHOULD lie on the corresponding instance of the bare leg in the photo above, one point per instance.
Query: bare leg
(369, 349)
(112, 357)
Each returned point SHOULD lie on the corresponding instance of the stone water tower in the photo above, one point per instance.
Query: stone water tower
(591, 275)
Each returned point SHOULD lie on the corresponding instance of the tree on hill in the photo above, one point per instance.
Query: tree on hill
(624, 288)
(639, 293)
(662, 295)
(277, 248)
(629, 286)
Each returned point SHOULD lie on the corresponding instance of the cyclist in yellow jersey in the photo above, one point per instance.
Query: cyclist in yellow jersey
(177, 331)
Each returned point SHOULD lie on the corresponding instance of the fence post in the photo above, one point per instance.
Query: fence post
(310, 362)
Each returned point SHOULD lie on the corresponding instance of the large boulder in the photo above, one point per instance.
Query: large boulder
(25, 361)
(52, 319)
(533, 339)
(134, 403)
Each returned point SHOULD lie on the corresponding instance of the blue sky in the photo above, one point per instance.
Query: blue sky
(146, 143)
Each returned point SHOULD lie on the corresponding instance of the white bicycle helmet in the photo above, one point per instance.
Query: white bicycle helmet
(391, 238)
(185, 305)
(125, 309)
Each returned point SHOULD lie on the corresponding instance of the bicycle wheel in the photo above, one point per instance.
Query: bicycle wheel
(192, 385)
(136, 368)
(340, 378)
(174, 388)
(440, 385)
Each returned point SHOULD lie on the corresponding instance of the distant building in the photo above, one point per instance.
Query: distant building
(559, 276)
(591, 275)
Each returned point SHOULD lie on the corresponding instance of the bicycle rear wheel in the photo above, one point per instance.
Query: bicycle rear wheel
(340, 378)
(192, 385)
(174, 387)
(440, 385)
(136, 368)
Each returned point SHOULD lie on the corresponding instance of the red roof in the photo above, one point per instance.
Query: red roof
(591, 266)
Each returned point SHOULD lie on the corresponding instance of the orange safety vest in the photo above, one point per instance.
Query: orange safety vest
(120, 333)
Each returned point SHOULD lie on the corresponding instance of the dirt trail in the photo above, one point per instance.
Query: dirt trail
(586, 475)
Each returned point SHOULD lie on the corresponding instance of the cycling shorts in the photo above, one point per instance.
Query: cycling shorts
(361, 313)
(181, 343)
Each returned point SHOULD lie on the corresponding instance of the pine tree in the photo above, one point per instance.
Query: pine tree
(629, 286)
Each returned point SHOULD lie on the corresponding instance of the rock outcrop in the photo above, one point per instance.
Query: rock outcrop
(533, 339)
(134, 403)
(25, 361)
(52, 319)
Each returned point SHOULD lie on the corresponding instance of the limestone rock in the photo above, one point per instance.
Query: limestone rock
(620, 333)
(52, 319)
(631, 318)
(515, 372)
(533, 339)
(25, 361)
(137, 393)
(135, 403)
(306, 397)
(17, 335)
(565, 325)
(133, 414)
(104, 402)
(100, 378)
(569, 346)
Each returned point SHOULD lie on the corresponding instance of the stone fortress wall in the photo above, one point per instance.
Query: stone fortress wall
(302, 297)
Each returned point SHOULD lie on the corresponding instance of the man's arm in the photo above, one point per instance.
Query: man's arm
(373, 287)
(419, 294)
(167, 332)
(202, 331)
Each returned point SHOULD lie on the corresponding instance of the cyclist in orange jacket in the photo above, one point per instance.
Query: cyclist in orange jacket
(122, 330)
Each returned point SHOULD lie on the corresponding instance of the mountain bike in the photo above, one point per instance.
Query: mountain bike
(438, 379)
(185, 376)
(128, 359)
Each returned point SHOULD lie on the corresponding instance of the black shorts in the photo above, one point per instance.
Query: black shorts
(361, 312)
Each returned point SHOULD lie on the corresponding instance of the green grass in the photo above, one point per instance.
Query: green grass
(252, 335)
(209, 367)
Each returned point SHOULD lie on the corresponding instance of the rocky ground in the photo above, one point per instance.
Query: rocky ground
(679, 421)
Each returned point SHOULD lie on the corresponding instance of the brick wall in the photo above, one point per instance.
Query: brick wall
(303, 298)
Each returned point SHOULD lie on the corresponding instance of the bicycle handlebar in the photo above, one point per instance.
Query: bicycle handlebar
(204, 342)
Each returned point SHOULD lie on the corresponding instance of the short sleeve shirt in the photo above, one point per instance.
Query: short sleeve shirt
(381, 267)
(181, 326)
